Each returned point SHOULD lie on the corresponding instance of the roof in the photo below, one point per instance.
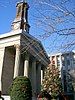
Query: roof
(11, 33)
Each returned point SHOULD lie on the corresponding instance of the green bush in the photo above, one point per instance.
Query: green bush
(21, 89)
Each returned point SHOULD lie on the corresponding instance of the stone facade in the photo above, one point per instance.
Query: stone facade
(19, 58)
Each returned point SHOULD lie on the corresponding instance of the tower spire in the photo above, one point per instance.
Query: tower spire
(21, 20)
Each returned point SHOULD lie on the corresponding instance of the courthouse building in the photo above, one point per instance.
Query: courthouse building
(21, 54)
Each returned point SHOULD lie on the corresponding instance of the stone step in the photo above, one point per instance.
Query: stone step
(6, 97)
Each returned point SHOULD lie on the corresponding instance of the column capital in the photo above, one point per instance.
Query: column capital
(17, 46)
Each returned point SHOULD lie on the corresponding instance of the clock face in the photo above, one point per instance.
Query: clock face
(16, 26)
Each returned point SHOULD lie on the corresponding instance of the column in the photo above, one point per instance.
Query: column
(2, 51)
(39, 77)
(26, 65)
(34, 78)
(17, 61)
(56, 61)
(60, 68)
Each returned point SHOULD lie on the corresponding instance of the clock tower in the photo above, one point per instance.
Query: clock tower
(21, 20)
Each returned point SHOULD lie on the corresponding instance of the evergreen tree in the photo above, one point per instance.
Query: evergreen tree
(52, 82)
(21, 89)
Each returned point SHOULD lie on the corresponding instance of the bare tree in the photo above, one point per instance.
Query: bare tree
(56, 20)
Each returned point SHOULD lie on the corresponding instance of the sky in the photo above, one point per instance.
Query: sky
(46, 17)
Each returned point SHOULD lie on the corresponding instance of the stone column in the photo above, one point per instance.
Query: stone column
(39, 77)
(2, 51)
(17, 61)
(26, 65)
(34, 78)
(60, 67)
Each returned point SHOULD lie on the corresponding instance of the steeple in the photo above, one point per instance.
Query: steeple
(21, 20)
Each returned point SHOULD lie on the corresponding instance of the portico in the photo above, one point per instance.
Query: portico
(18, 57)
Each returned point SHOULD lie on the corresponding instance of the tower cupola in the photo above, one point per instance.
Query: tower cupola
(21, 20)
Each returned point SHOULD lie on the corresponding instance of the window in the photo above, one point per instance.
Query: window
(74, 61)
(62, 57)
(53, 60)
(73, 58)
(63, 63)
(68, 62)
(65, 83)
(58, 61)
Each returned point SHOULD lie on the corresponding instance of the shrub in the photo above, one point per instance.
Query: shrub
(21, 89)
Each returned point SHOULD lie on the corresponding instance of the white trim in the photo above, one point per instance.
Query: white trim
(13, 32)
